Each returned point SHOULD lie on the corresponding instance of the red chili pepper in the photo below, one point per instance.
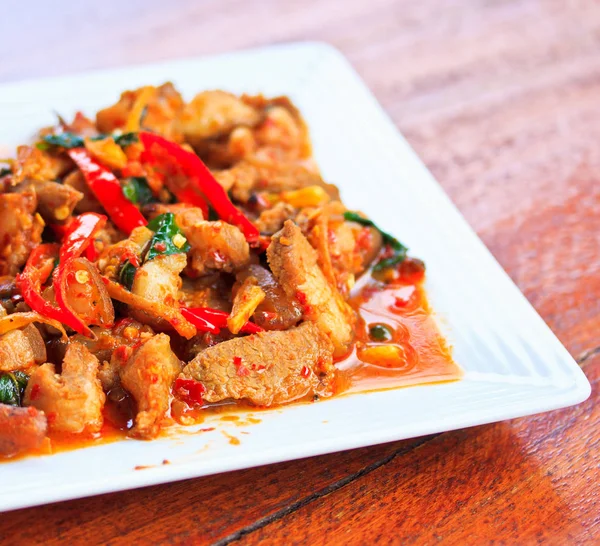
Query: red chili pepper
(107, 189)
(81, 233)
(34, 276)
(206, 319)
(189, 390)
(159, 149)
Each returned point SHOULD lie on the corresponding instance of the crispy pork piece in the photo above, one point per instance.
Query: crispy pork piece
(148, 374)
(21, 349)
(20, 230)
(21, 429)
(73, 400)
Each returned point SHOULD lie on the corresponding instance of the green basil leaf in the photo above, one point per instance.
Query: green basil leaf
(165, 229)
(126, 139)
(4, 171)
(12, 387)
(136, 189)
(387, 238)
(127, 274)
(62, 140)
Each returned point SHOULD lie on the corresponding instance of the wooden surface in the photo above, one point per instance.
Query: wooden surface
(502, 101)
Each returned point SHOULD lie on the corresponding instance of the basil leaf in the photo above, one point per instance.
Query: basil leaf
(167, 234)
(136, 189)
(126, 139)
(385, 263)
(12, 387)
(387, 238)
(127, 274)
(63, 140)
(4, 171)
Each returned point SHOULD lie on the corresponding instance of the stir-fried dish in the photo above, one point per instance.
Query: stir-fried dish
(166, 258)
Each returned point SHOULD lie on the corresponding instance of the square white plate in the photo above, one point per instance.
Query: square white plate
(513, 363)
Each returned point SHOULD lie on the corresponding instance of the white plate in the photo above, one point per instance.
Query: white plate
(513, 363)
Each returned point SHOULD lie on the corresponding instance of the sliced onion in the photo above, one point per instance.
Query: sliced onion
(18, 320)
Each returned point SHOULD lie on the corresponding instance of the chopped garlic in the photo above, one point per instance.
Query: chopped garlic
(62, 213)
(179, 240)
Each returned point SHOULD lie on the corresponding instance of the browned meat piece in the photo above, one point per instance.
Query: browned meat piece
(158, 281)
(148, 375)
(212, 114)
(21, 429)
(216, 246)
(20, 230)
(56, 202)
(277, 311)
(21, 349)
(88, 202)
(186, 216)
(271, 220)
(335, 241)
(294, 264)
(151, 108)
(247, 298)
(266, 368)
(35, 164)
(73, 400)
(127, 332)
(282, 134)
(250, 176)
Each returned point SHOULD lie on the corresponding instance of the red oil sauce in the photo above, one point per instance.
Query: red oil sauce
(398, 342)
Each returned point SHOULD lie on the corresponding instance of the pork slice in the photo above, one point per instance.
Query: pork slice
(294, 264)
(147, 375)
(20, 230)
(21, 349)
(266, 368)
(21, 429)
(56, 202)
(73, 400)
(217, 246)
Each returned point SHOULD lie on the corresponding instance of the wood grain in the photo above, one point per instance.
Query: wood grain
(500, 99)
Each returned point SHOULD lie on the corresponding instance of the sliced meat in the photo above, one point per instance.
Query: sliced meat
(266, 368)
(73, 400)
(158, 281)
(212, 114)
(148, 375)
(271, 220)
(56, 202)
(294, 265)
(21, 429)
(216, 246)
(35, 164)
(21, 349)
(151, 108)
(20, 230)
(277, 311)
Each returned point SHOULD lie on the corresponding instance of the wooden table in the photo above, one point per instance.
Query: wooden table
(502, 101)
